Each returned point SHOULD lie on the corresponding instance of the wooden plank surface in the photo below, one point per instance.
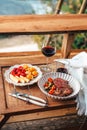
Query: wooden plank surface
(14, 105)
(2, 93)
(1, 117)
(12, 58)
(44, 114)
(43, 23)
(26, 57)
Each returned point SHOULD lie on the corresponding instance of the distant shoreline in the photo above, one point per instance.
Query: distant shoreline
(18, 43)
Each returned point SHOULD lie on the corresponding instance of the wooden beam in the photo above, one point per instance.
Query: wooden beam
(83, 7)
(42, 115)
(1, 117)
(58, 6)
(43, 23)
(66, 45)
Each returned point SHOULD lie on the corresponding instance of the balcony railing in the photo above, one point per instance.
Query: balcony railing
(45, 24)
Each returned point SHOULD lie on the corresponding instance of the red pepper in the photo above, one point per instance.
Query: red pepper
(50, 80)
(51, 91)
(53, 87)
(46, 85)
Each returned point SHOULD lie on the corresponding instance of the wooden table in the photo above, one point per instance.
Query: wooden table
(11, 108)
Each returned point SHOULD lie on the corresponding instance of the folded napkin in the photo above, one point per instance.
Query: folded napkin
(77, 61)
(75, 67)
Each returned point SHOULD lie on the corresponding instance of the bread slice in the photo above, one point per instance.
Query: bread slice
(25, 79)
(15, 79)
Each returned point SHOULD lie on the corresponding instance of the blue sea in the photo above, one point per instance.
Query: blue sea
(16, 7)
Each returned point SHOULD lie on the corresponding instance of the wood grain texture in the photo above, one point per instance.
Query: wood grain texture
(14, 105)
(12, 58)
(68, 39)
(43, 23)
(3, 104)
(18, 109)
(42, 115)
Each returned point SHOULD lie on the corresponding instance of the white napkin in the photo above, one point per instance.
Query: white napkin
(76, 67)
(79, 60)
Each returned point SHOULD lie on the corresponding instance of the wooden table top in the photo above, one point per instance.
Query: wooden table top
(11, 105)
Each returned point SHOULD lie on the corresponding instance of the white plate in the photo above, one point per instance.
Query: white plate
(7, 75)
(72, 82)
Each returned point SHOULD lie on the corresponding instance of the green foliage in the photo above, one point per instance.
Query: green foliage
(69, 6)
(73, 6)
(80, 41)
(39, 39)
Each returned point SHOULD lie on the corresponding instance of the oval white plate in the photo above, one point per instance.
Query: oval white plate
(72, 82)
(7, 75)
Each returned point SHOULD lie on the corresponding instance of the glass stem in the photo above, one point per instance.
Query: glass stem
(29, 90)
(47, 63)
(14, 89)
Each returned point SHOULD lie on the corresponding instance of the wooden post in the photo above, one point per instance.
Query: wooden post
(83, 7)
(66, 45)
(1, 117)
(68, 38)
(57, 11)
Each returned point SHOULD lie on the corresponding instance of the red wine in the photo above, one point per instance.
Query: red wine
(62, 70)
(48, 51)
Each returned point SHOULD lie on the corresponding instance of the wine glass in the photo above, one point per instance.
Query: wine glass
(48, 49)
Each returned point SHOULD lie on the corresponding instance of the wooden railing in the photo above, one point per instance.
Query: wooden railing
(43, 24)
